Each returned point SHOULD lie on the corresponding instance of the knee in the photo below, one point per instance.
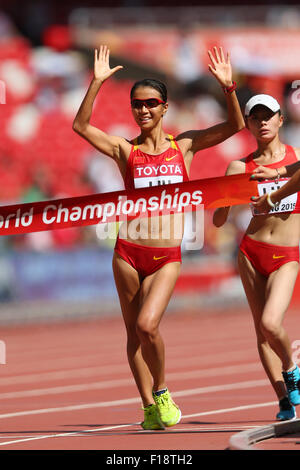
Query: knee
(270, 328)
(146, 330)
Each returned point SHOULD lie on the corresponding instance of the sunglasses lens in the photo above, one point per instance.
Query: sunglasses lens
(136, 104)
(150, 103)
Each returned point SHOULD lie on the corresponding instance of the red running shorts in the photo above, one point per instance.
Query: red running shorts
(267, 258)
(146, 259)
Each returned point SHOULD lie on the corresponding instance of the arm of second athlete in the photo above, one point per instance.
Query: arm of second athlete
(291, 187)
(262, 172)
(261, 203)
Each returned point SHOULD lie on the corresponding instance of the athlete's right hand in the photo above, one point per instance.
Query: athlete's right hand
(262, 172)
(102, 70)
(260, 203)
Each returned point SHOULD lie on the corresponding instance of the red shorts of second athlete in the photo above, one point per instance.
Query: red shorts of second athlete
(267, 258)
(146, 259)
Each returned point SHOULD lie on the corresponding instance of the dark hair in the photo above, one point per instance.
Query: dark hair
(277, 112)
(152, 83)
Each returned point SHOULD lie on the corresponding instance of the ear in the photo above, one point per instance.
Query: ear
(281, 120)
(165, 108)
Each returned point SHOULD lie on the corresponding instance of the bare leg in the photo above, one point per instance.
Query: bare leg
(143, 306)
(128, 287)
(255, 289)
(156, 292)
(279, 292)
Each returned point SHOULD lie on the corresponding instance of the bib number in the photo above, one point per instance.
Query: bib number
(287, 204)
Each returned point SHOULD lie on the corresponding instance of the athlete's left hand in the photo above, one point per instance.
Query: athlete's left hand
(261, 204)
(221, 67)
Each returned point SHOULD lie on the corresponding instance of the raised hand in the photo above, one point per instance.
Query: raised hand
(102, 70)
(220, 67)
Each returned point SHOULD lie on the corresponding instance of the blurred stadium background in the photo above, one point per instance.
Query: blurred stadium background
(46, 59)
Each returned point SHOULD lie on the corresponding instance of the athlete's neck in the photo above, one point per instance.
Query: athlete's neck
(270, 152)
(153, 140)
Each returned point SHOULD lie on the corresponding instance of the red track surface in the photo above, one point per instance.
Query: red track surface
(68, 386)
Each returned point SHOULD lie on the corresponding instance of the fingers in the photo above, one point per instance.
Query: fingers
(118, 67)
(212, 60)
(255, 176)
(211, 69)
(219, 56)
(103, 54)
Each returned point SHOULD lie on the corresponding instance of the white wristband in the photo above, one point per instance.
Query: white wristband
(269, 200)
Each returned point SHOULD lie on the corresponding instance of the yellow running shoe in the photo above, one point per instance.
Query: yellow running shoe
(169, 412)
(151, 418)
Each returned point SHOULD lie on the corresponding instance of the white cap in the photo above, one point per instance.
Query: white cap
(264, 100)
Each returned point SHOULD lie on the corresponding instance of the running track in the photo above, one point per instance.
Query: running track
(68, 386)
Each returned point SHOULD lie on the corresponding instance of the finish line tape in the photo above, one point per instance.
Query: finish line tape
(125, 205)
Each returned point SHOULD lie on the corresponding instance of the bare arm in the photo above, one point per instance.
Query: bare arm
(109, 145)
(264, 203)
(221, 214)
(292, 186)
(201, 139)
(262, 172)
(290, 170)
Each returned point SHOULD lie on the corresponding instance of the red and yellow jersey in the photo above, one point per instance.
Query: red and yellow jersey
(289, 204)
(144, 170)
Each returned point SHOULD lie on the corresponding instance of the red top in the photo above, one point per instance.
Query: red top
(288, 204)
(145, 170)
(290, 157)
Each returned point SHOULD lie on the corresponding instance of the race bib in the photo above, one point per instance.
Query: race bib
(287, 204)
(156, 175)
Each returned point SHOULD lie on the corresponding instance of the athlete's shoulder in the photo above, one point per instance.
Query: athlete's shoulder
(132, 142)
(236, 167)
(297, 152)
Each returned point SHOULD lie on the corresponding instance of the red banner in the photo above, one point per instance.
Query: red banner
(124, 205)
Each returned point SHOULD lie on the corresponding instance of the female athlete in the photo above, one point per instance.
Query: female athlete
(146, 267)
(268, 257)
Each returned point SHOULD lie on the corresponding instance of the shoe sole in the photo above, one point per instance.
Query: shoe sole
(153, 429)
(173, 424)
(287, 419)
(160, 423)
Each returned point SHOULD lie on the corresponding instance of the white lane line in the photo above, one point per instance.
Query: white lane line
(86, 431)
(128, 401)
(207, 427)
(63, 374)
(88, 371)
(67, 389)
(236, 408)
(129, 381)
(67, 434)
